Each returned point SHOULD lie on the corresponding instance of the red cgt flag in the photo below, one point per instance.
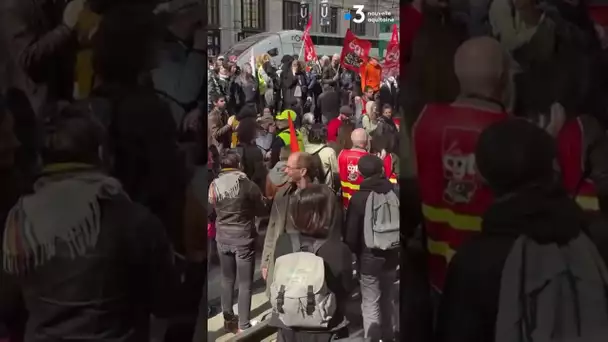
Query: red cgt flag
(391, 61)
(355, 51)
(309, 48)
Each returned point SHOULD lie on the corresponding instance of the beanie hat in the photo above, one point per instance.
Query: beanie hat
(370, 165)
(515, 153)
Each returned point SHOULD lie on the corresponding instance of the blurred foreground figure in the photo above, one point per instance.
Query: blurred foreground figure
(91, 264)
(444, 138)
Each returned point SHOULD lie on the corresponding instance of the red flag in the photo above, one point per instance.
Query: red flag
(391, 60)
(355, 51)
(293, 137)
(310, 55)
(308, 26)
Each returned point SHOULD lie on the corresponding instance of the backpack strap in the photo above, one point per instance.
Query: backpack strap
(319, 150)
(316, 246)
(296, 244)
(317, 153)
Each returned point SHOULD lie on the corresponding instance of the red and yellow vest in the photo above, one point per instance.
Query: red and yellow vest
(350, 178)
(453, 196)
(389, 170)
(572, 154)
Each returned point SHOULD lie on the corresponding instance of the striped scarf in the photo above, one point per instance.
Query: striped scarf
(64, 209)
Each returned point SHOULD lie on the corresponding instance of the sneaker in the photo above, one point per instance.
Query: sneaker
(231, 323)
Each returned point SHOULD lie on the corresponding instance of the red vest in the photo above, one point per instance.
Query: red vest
(388, 169)
(350, 178)
(453, 195)
(572, 152)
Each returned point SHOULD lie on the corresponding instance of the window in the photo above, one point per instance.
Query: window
(292, 20)
(332, 26)
(213, 15)
(213, 43)
(252, 15)
(358, 29)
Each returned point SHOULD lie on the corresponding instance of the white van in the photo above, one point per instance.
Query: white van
(276, 44)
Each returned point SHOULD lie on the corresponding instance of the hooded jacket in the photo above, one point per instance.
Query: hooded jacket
(355, 218)
(469, 304)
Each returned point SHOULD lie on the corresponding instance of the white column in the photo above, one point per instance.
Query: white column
(227, 31)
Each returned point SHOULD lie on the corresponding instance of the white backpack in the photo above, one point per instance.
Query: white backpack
(298, 293)
(381, 226)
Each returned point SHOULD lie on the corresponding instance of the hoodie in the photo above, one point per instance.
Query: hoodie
(355, 218)
(469, 304)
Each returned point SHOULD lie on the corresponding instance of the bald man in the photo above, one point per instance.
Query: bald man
(444, 139)
(348, 159)
(360, 138)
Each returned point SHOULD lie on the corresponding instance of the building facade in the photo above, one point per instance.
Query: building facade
(230, 21)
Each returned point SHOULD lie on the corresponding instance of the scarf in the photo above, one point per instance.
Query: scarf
(64, 208)
(228, 184)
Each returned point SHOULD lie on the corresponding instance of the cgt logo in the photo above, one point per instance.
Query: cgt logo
(356, 48)
(393, 56)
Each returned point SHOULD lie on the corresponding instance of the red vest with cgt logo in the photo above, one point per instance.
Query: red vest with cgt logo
(453, 195)
(350, 178)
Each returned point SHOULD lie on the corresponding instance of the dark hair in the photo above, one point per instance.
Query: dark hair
(380, 142)
(247, 130)
(230, 159)
(513, 154)
(317, 134)
(125, 43)
(386, 106)
(368, 88)
(312, 210)
(217, 97)
(72, 134)
(344, 132)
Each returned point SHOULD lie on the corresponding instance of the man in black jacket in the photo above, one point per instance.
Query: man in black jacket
(114, 269)
(377, 268)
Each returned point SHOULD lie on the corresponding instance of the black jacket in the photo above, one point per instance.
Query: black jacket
(147, 161)
(469, 304)
(289, 82)
(355, 218)
(338, 273)
(329, 103)
(109, 294)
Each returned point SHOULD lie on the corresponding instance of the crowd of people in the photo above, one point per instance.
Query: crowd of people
(480, 177)
(295, 151)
